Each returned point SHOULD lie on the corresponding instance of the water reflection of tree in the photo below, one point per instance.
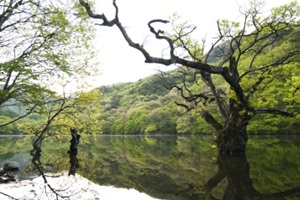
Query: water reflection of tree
(43, 170)
(236, 170)
(38, 165)
(74, 164)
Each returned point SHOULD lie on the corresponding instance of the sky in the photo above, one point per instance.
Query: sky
(120, 63)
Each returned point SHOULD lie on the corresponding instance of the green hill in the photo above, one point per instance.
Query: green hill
(147, 107)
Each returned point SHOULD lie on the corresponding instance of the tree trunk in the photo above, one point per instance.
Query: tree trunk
(232, 139)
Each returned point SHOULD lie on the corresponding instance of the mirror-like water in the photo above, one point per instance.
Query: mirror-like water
(169, 167)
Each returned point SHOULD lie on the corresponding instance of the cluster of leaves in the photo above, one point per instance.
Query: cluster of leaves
(80, 110)
(57, 116)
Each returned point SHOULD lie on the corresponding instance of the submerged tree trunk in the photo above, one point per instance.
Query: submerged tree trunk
(233, 138)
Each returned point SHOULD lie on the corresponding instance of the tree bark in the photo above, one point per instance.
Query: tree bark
(232, 139)
(231, 135)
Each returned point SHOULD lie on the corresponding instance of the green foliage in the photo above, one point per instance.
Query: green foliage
(190, 123)
(151, 128)
(81, 111)
(83, 114)
(9, 129)
(41, 41)
(136, 108)
(8, 113)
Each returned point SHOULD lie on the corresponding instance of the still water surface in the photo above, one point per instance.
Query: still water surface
(170, 167)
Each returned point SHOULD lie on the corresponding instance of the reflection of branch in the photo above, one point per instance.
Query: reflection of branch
(73, 151)
(38, 165)
(36, 153)
(8, 196)
(74, 163)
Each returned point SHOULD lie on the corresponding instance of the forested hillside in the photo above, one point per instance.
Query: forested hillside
(146, 107)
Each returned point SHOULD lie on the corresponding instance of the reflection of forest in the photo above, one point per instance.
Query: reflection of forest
(182, 167)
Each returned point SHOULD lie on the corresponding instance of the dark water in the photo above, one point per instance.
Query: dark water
(169, 167)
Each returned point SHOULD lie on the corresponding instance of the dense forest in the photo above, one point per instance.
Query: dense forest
(146, 107)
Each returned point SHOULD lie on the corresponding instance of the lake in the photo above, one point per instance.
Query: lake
(170, 167)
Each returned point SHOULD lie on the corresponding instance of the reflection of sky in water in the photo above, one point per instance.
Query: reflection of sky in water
(76, 187)
(109, 193)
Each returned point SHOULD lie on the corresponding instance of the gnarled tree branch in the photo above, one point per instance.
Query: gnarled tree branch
(173, 59)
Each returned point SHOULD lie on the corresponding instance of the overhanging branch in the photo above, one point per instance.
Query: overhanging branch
(173, 59)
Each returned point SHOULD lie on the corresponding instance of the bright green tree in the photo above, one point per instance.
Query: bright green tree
(43, 45)
(80, 110)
